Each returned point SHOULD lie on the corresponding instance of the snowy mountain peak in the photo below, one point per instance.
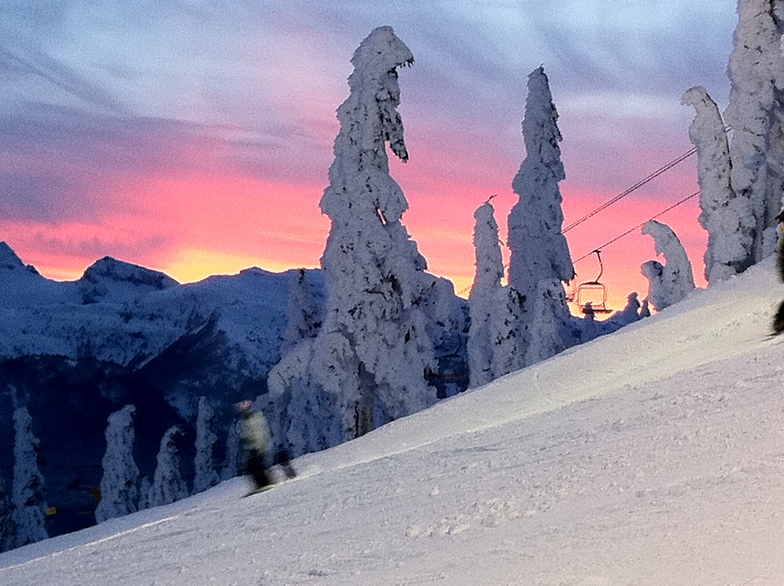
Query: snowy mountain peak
(112, 279)
(111, 269)
(10, 260)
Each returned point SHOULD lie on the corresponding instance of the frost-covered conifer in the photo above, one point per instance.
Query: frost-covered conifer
(312, 420)
(168, 485)
(728, 219)
(368, 363)
(144, 493)
(28, 483)
(755, 113)
(303, 315)
(7, 524)
(483, 301)
(120, 473)
(509, 328)
(550, 314)
(539, 252)
(447, 327)
(232, 451)
(671, 282)
(497, 339)
(205, 475)
(539, 249)
(629, 314)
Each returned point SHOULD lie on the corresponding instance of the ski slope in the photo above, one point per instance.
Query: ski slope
(651, 456)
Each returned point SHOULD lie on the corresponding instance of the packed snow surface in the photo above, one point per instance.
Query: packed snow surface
(651, 456)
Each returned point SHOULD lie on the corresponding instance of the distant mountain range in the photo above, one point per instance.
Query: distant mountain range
(74, 352)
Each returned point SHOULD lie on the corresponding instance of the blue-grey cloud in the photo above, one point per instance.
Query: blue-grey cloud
(134, 88)
(73, 157)
(20, 61)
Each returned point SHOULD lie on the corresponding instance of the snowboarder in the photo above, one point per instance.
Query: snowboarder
(255, 435)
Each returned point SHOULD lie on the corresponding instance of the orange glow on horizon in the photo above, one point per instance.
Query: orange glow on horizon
(215, 219)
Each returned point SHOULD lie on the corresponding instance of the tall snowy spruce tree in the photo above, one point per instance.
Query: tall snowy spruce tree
(368, 363)
(756, 113)
(120, 473)
(496, 311)
(539, 251)
(727, 217)
(673, 281)
(27, 489)
(484, 295)
(168, 484)
(303, 315)
(205, 474)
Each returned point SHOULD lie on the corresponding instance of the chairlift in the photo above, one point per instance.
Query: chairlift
(591, 296)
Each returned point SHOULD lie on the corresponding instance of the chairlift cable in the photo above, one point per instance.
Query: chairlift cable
(635, 187)
(630, 190)
(638, 226)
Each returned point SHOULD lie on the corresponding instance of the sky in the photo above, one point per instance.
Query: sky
(195, 136)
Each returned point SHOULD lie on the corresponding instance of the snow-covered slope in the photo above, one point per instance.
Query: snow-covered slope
(651, 456)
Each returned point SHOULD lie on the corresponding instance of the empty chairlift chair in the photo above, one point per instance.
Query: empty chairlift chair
(591, 296)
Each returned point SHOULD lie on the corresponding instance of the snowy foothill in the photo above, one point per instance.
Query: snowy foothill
(654, 455)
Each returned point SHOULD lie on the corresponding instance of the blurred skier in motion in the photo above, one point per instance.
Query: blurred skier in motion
(256, 440)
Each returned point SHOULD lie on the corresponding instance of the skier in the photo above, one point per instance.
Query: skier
(255, 436)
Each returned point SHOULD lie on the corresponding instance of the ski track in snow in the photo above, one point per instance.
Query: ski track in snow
(652, 456)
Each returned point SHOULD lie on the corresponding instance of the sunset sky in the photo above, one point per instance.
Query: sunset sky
(195, 136)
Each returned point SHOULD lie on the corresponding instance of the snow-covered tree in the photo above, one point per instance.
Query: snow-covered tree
(497, 341)
(303, 314)
(7, 524)
(27, 489)
(205, 475)
(550, 315)
(538, 248)
(756, 107)
(168, 484)
(368, 363)
(673, 281)
(539, 252)
(509, 328)
(144, 493)
(312, 420)
(447, 326)
(231, 469)
(120, 473)
(728, 219)
(634, 311)
(484, 295)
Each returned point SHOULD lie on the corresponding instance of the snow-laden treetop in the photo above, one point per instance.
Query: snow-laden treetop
(374, 98)
(540, 131)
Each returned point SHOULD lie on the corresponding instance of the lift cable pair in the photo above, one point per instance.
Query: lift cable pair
(591, 296)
